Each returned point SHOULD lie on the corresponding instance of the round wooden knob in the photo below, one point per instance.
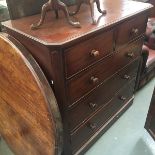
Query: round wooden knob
(135, 31)
(94, 53)
(127, 77)
(122, 98)
(94, 80)
(130, 55)
(92, 105)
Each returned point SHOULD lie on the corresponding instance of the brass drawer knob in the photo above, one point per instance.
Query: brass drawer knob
(122, 98)
(94, 80)
(135, 31)
(92, 126)
(92, 105)
(130, 55)
(94, 53)
(127, 77)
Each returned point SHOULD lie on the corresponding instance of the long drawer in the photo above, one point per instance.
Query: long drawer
(100, 97)
(85, 53)
(131, 29)
(101, 117)
(83, 83)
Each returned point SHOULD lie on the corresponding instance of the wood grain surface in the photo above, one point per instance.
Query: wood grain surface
(65, 55)
(30, 121)
(58, 32)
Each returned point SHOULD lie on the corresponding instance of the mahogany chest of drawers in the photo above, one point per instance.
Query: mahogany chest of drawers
(92, 70)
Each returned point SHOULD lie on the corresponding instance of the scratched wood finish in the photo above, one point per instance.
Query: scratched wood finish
(30, 121)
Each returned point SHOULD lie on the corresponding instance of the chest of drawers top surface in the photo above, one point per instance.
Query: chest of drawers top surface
(57, 32)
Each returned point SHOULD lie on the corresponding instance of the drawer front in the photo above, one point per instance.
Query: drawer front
(97, 121)
(88, 52)
(131, 29)
(88, 106)
(90, 79)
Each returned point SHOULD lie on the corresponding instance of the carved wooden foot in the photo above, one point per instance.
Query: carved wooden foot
(63, 7)
(45, 7)
(56, 5)
(91, 4)
(99, 8)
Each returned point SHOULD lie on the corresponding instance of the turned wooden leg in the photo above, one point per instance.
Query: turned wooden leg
(99, 8)
(63, 7)
(45, 7)
(91, 3)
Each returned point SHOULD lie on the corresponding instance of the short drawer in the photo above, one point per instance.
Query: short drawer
(101, 96)
(102, 117)
(130, 30)
(85, 82)
(88, 52)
